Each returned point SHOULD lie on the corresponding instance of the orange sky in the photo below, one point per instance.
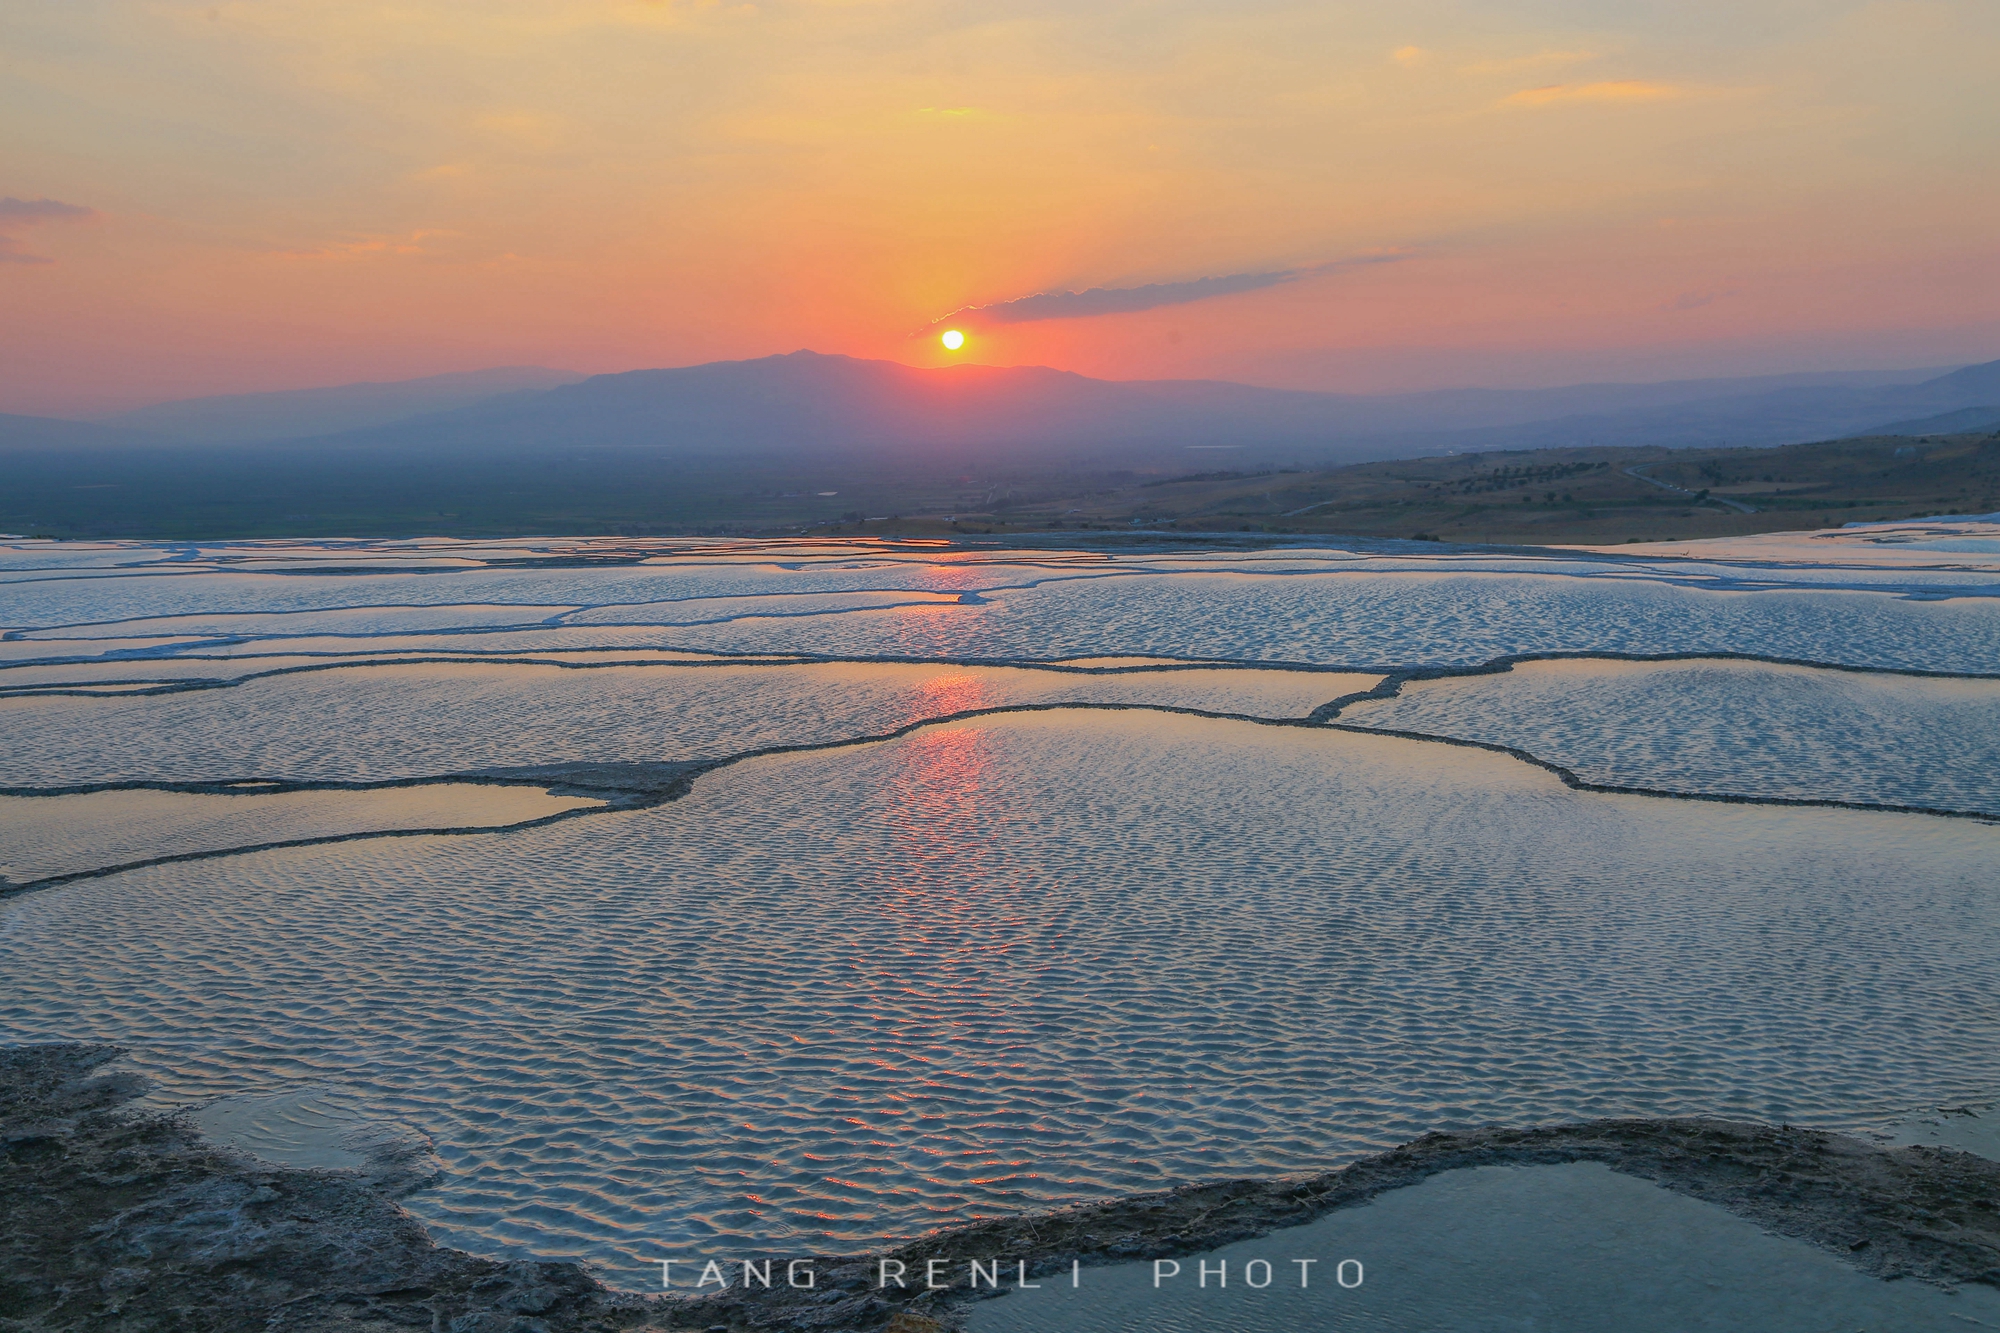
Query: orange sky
(288, 192)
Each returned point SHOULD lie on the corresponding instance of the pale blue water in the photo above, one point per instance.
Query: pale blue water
(835, 997)
(1743, 728)
(1499, 1250)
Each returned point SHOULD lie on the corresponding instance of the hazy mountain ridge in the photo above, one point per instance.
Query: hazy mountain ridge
(301, 413)
(1789, 415)
(806, 404)
(22, 434)
(781, 442)
(810, 405)
(1945, 423)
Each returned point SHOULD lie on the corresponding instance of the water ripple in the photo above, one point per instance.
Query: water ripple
(835, 998)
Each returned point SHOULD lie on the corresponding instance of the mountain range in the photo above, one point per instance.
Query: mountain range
(297, 413)
(811, 405)
(807, 437)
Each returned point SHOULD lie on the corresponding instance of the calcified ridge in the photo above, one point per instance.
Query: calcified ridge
(630, 786)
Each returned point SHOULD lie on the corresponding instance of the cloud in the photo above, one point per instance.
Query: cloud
(34, 210)
(370, 247)
(28, 212)
(1696, 300)
(1623, 90)
(1127, 300)
(12, 253)
(1409, 56)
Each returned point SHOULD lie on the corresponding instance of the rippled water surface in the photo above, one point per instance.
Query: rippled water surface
(1742, 728)
(370, 721)
(856, 993)
(1136, 916)
(59, 835)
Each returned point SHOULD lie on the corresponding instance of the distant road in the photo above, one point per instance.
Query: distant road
(1737, 505)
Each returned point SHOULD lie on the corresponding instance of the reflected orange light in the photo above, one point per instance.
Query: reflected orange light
(938, 803)
(942, 696)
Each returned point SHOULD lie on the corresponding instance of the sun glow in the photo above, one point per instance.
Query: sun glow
(952, 340)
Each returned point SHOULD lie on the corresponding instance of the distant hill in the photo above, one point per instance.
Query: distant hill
(298, 413)
(1945, 423)
(1754, 414)
(783, 441)
(809, 406)
(1540, 496)
(22, 434)
(1483, 409)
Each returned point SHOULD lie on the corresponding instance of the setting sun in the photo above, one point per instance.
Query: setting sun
(953, 340)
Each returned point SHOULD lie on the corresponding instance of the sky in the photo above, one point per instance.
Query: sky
(201, 198)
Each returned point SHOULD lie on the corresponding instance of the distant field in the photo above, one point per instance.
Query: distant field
(1588, 495)
(1563, 495)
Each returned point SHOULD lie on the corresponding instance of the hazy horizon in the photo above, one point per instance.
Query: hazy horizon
(649, 643)
(114, 408)
(206, 199)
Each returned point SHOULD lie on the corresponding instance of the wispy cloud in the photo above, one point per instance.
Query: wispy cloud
(12, 253)
(1621, 90)
(28, 212)
(1127, 300)
(370, 247)
(10, 207)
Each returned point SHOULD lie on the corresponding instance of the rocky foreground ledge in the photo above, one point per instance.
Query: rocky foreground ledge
(116, 1220)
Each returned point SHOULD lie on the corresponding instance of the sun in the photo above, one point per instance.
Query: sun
(952, 340)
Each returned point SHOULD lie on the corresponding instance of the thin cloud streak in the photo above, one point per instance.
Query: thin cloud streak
(27, 212)
(1127, 300)
(36, 209)
(12, 253)
(1625, 90)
